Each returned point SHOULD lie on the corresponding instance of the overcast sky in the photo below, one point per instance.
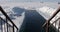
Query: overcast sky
(30, 0)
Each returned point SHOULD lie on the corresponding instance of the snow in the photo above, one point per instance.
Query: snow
(19, 20)
(47, 12)
(45, 9)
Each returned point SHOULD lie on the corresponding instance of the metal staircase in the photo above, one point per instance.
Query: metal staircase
(7, 25)
(47, 24)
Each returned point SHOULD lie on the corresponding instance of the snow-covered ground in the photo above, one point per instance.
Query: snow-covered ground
(45, 9)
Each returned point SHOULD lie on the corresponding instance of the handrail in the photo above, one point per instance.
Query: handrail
(7, 17)
(54, 14)
(54, 22)
(3, 20)
(47, 23)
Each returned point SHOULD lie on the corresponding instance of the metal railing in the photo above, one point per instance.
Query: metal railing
(47, 24)
(7, 25)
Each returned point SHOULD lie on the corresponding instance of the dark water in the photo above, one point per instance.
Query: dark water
(33, 22)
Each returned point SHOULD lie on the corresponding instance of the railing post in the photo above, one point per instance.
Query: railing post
(7, 23)
(13, 28)
(5, 27)
(1, 26)
(47, 26)
(59, 25)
